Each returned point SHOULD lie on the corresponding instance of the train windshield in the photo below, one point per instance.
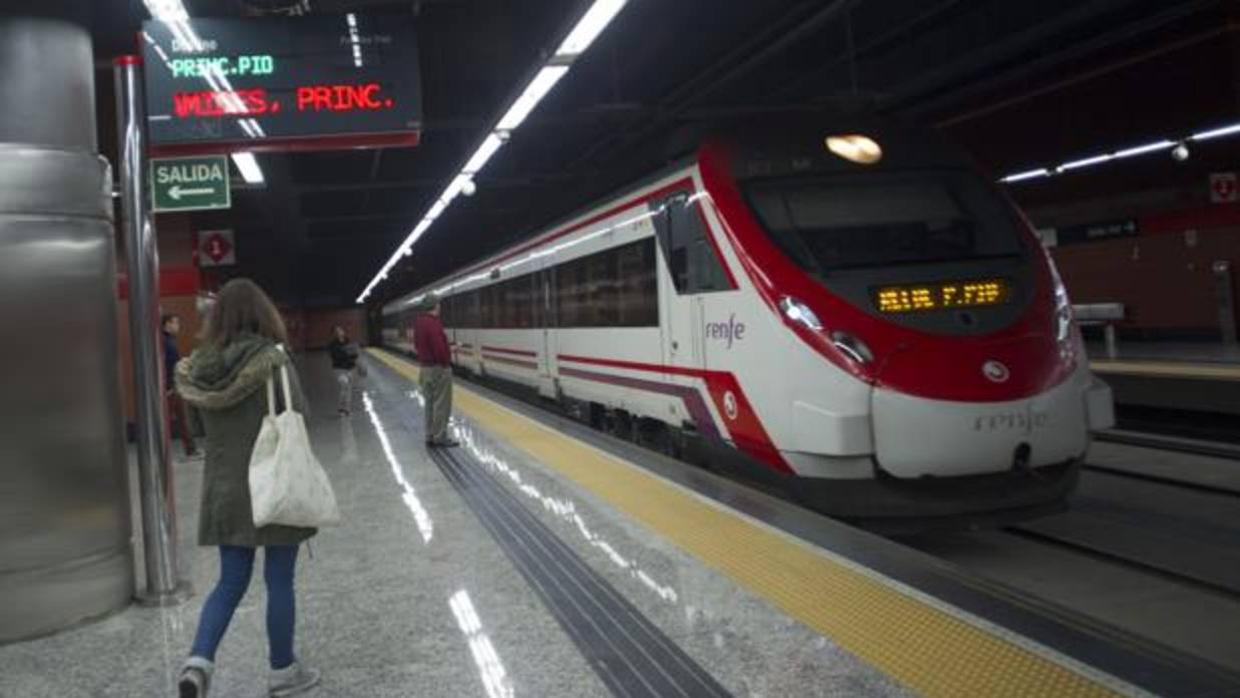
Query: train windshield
(884, 219)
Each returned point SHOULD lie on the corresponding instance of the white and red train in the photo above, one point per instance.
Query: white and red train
(864, 317)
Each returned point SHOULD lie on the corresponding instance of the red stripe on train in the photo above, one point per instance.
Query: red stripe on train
(741, 420)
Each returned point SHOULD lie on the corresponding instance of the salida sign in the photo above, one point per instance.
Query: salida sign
(190, 184)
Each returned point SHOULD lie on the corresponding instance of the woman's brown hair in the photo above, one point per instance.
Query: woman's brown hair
(242, 308)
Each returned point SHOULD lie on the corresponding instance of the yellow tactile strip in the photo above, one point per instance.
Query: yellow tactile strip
(1168, 369)
(926, 648)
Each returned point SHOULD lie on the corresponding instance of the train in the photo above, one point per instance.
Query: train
(854, 312)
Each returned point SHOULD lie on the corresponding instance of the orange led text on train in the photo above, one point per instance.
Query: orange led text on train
(912, 298)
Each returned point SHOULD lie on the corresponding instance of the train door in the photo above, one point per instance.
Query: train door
(681, 311)
(544, 295)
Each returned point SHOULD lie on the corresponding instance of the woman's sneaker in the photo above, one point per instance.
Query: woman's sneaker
(292, 680)
(195, 679)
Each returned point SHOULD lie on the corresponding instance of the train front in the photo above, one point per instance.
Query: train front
(895, 264)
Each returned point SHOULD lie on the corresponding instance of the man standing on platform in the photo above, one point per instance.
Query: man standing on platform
(435, 373)
(177, 411)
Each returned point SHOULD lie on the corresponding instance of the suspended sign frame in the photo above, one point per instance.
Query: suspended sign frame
(311, 83)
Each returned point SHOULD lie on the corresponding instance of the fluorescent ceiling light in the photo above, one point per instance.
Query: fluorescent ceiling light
(483, 154)
(457, 187)
(1142, 149)
(1030, 174)
(1154, 147)
(436, 209)
(1215, 133)
(167, 10)
(1084, 162)
(591, 24)
(248, 165)
(533, 94)
(587, 29)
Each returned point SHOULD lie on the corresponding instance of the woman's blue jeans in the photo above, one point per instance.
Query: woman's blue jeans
(236, 566)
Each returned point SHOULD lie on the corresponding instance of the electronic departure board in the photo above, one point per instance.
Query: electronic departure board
(941, 295)
(219, 85)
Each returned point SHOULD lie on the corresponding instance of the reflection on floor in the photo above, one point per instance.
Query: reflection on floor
(417, 592)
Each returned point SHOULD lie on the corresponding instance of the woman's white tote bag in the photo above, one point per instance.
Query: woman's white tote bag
(288, 485)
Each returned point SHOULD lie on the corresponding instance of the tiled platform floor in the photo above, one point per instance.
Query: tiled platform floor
(411, 596)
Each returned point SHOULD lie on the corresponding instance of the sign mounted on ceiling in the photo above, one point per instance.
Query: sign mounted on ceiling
(190, 184)
(216, 248)
(1223, 189)
(225, 85)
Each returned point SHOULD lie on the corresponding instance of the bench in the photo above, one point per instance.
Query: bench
(1105, 314)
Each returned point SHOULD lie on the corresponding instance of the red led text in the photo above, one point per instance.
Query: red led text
(256, 102)
(216, 103)
(341, 98)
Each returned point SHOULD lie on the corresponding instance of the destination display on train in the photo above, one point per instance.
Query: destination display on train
(219, 85)
(943, 295)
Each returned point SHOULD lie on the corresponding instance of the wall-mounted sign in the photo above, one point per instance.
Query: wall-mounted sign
(1102, 230)
(1223, 189)
(216, 248)
(190, 184)
(223, 85)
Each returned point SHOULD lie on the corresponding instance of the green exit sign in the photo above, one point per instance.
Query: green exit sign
(190, 184)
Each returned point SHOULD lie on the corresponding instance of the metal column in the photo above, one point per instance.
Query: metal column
(142, 255)
(1226, 295)
(65, 549)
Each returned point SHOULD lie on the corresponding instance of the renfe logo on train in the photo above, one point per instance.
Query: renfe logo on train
(996, 371)
(730, 331)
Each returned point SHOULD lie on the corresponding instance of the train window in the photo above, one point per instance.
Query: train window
(691, 258)
(473, 310)
(489, 308)
(639, 288)
(612, 288)
(915, 218)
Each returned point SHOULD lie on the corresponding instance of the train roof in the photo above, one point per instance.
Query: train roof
(768, 145)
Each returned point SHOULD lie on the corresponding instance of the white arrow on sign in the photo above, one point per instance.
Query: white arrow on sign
(176, 192)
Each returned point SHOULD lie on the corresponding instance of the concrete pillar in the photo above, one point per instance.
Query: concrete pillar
(65, 552)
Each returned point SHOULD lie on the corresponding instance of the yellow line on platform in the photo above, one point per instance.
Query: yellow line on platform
(1168, 369)
(920, 645)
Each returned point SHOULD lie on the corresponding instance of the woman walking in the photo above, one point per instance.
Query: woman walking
(225, 379)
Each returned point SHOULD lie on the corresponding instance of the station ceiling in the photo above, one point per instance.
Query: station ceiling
(992, 73)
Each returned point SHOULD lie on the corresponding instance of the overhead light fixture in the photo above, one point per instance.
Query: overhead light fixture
(862, 150)
(588, 27)
(483, 154)
(248, 166)
(1216, 133)
(167, 10)
(1143, 149)
(1179, 151)
(1030, 174)
(533, 94)
(591, 24)
(1083, 162)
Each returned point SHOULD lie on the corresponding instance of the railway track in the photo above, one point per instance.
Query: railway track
(1167, 442)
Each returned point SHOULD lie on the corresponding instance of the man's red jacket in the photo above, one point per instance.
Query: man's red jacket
(429, 341)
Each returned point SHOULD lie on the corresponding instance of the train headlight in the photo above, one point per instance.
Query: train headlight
(1065, 333)
(852, 347)
(799, 313)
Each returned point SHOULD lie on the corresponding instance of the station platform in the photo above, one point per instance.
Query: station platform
(1174, 376)
(1169, 352)
(543, 559)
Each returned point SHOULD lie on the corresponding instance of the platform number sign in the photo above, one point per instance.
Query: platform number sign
(216, 248)
(190, 184)
(1223, 188)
